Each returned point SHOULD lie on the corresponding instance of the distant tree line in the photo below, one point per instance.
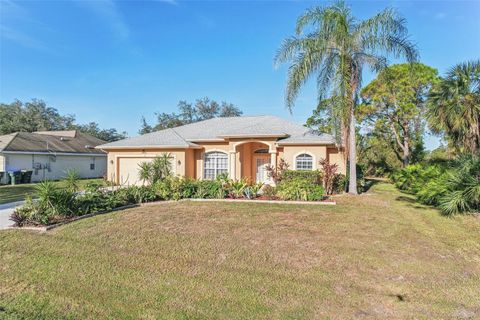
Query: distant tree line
(202, 109)
(35, 115)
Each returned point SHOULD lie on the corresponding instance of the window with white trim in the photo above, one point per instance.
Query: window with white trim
(216, 163)
(304, 162)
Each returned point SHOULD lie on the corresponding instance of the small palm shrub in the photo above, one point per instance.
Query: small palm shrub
(236, 188)
(53, 201)
(433, 190)
(462, 185)
(453, 187)
(72, 180)
(158, 169)
(413, 177)
(253, 191)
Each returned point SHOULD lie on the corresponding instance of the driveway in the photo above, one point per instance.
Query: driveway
(5, 211)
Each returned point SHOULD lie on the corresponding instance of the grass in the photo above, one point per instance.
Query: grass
(18, 192)
(378, 255)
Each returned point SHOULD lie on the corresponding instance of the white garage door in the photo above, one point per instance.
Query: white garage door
(128, 170)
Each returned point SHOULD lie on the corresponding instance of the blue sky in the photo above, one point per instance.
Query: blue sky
(112, 62)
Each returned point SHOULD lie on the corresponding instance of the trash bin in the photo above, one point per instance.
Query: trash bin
(26, 176)
(14, 177)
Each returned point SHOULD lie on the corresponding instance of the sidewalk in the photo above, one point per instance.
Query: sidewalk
(5, 211)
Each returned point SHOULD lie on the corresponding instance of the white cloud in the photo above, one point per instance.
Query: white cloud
(108, 12)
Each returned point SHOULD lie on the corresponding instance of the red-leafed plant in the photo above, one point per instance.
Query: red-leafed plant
(329, 171)
(276, 173)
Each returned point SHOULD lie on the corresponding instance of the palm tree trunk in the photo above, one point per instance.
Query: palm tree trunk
(352, 155)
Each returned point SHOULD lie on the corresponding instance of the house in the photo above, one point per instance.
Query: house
(239, 146)
(50, 153)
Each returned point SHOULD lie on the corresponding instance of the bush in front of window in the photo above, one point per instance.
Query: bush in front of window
(314, 176)
(300, 189)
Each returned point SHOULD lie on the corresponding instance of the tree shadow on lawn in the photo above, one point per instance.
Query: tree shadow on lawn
(412, 202)
(370, 182)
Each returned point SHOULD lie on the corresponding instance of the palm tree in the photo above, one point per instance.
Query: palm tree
(332, 44)
(454, 106)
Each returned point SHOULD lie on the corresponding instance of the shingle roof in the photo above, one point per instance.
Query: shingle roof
(163, 138)
(221, 128)
(54, 141)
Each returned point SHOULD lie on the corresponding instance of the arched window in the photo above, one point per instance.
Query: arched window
(216, 163)
(304, 162)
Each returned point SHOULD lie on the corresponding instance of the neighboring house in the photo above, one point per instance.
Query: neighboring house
(50, 153)
(239, 146)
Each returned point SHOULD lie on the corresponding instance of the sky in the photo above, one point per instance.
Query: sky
(115, 61)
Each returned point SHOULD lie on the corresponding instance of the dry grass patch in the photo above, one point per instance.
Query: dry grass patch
(371, 256)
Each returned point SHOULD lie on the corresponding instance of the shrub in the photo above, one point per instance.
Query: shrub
(144, 194)
(453, 187)
(462, 185)
(276, 173)
(72, 180)
(329, 171)
(413, 177)
(299, 189)
(23, 215)
(314, 177)
(432, 191)
(53, 201)
(339, 183)
(160, 168)
(236, 188)
(252, 191)
(210, 189)
(269, 192)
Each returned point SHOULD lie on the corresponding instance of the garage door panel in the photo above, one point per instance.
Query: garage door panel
(128, 170)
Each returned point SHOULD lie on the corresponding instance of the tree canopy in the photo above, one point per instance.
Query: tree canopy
(203, 109)
(331, 45)
(394, 104)
(454, 107)
(35, 115)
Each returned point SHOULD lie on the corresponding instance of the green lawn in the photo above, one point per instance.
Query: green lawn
(18, 192)
(378, 255)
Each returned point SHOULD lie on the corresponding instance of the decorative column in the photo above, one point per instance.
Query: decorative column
(273, 163)
(233, 164)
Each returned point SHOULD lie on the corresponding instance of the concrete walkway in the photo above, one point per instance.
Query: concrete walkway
(5, 211)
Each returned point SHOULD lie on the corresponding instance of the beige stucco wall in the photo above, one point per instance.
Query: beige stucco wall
(190, 162)
(58, 165)
(208, 147)
(178, 163)
(289, 153)
(336, 156)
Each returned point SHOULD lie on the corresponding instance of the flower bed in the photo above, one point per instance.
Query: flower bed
(56, 205)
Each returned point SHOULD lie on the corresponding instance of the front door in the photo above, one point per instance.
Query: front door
(261, 172)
